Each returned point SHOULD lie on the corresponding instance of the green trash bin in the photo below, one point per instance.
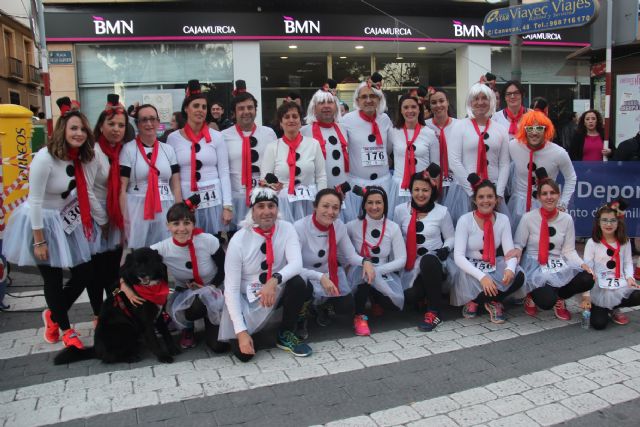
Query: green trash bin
(38, 138)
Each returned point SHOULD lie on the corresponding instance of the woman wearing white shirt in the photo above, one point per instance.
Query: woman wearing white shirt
(483, 275)
(297, 162)
(553, 268)
(204, 163)
(149, 182)
(379, 239)
(429, 235)
(414, 147)
(442, 125)
(478, 145)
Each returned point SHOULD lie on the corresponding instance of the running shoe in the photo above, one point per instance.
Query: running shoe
(530, 306)
(187, 339)
(496, 311)
(288, 341)
(361, 325)
(430, 321)
(72, 339)
(618, 317)
(561, 311)
(51, 328)
(470, 310)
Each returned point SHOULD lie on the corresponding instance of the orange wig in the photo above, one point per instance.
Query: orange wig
(532, 118)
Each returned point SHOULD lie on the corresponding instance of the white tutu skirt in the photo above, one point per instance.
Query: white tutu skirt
(467, 288)
(103, 244)
(393, 197)
(293, 211)
(65, 250)
(388, 285)
(353, 202)
(457, 202)
(536, 278)
(211, 297)
(518, 207)
(408, 278)
(144, 233)
(610, 298)
(255, 316)
(344, 286)
(210, 219)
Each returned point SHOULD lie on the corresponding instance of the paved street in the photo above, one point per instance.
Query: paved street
(528, 371)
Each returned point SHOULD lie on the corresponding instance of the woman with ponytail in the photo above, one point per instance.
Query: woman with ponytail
(57, 222)
(554, 270)
(429, 234)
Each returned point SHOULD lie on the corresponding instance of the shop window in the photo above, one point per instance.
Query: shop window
(351, 68)
(14, 97)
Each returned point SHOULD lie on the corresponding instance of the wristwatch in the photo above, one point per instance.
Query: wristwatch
(278, 277)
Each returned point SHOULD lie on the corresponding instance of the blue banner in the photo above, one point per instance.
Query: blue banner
(599, 183)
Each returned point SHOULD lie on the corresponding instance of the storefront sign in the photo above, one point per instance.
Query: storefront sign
(71, 26)
(627, 106)
(599, 183)
(550, 15)
(60, 57)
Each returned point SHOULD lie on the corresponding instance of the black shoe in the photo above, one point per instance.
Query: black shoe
(325, 314)
(211, 338)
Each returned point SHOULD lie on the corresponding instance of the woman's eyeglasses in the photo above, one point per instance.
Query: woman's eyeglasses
(608, 220)
(536, 128)
(149, 120)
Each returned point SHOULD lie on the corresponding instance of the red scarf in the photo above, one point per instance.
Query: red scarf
(489, 248)
(291, 159)
(204, 133)
(365, 249)
(543, 245)
(192, 254)
(268, 236)
(317, 134)
(412, 245)
(333, 250)
(375, 130)
(156, 294)
(246, 178)
(409, 156)
(530, 174)
(152, 204)
(616, 255)
(481, 162)
(513, 125)
(82, 193)
(113, 181)
(444, 155)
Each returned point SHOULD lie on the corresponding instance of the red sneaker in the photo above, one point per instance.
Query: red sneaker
(377, 310)
(361, 325)
(72, 339)
(618, 317)
(470, 310)
(51, 328)
(529, 306)
(561, 311)
(187, 339)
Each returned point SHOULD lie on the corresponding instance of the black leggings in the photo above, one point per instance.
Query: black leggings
(429, 282)
(517, 283)
(600, 315)
(546, 296)
(296, 292)
(60, 297)
(106, 269)
(362, 294)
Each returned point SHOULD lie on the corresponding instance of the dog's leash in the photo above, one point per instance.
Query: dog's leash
(119, 302)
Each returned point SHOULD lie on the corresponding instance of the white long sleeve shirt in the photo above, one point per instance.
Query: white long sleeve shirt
(358, 131)
(469, 242)
(431, 229)
(562, 236)
(310, 168)
(334, 162)
(245, 264)
(426, 149)
(596, 257)
(448, 132)
(463, 154)
(391, 254)
(212, 158)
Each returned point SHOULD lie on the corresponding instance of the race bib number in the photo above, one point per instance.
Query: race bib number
(252, 291)
(483, 266)
(70, 215)
(373, 156)
(165, 191)
(209, 196)
(303, 192)
(607, 280)
(447, 181)
(553, 265)
(255, 180)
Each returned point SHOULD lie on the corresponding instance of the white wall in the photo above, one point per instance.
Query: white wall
(246, 66)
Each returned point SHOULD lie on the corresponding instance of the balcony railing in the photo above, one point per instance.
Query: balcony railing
(34, 75)
(15, 68)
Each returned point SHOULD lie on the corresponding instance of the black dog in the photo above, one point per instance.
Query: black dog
(121, 324)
